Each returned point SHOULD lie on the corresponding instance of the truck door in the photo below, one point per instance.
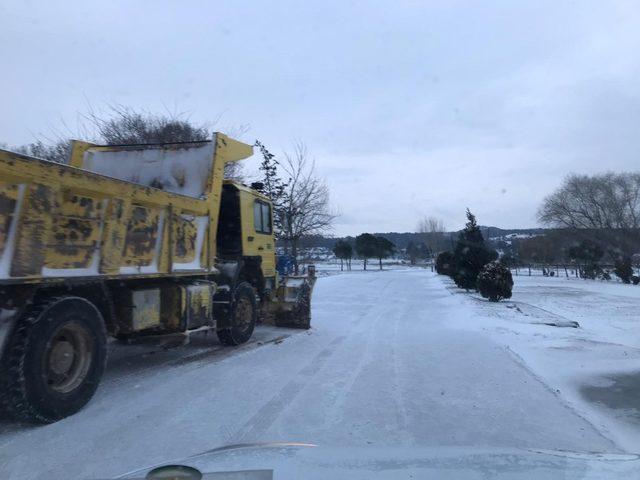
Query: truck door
(260, 242)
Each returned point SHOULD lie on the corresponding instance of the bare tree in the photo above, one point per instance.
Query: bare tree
(431, 225)
(433, 233)
(57, 152)
(305, 208)
(126, 126)
(604, 208)
(606, 201)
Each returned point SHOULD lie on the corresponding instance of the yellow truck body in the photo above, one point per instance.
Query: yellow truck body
(59, 221)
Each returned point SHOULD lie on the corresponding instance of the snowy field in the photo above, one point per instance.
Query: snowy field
(395, 358)
(594, 368)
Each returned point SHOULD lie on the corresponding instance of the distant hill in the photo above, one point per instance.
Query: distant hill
(402, 239)
(496, 233)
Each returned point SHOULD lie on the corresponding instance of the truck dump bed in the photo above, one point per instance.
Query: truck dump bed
(137, 210)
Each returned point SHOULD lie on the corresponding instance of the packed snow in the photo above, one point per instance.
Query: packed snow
(183, 169)
(398, 357)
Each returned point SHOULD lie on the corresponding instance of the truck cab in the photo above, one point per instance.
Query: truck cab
(245, 229)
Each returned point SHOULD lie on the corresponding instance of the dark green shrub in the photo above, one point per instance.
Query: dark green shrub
(495, 282)
(591, 271)
(623, 269)
(444, 263)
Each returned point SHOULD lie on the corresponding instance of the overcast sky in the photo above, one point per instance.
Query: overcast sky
(410, 108)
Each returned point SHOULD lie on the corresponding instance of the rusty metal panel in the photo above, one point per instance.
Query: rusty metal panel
(75, 236)
(173, 308)
(114, 235)
(143, 238)
(199, 304)
(138, 309)
(8, 200)
(11, 200)
(146, 309)
(33, 228)
(185, 232)
(189, 238)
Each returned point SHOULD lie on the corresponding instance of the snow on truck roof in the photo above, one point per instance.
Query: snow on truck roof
(182, 168)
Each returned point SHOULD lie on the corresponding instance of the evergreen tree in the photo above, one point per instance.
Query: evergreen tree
(445, 263)
(344, 251)
(273, 186)
(366, 247)
(383, 249)
(495, 282)
(588, 254)
(623, 269)
(470, 254)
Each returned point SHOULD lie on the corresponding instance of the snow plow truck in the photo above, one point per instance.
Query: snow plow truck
(127, 241)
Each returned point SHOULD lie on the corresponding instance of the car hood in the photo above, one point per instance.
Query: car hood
(306, 461)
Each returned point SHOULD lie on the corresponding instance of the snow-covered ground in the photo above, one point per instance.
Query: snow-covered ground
(394, 358)
(594, 368)
(332, 266)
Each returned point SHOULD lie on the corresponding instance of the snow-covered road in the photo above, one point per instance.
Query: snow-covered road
(383, 365)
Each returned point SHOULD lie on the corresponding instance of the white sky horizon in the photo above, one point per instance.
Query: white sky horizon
(409, 108)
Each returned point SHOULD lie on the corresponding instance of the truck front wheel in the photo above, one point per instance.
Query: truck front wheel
(54, 360)
(243, 316)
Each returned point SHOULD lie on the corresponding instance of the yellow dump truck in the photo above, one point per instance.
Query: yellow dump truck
(126, 241)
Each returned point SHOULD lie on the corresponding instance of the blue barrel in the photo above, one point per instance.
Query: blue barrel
(285, 264)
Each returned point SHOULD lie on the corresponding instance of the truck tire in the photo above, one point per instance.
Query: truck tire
(54, 360)
(243, 316)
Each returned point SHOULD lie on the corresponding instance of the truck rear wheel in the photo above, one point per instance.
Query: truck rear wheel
(243, 316)
(54, 360)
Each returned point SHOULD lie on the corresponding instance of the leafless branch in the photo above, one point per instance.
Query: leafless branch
(305, 209)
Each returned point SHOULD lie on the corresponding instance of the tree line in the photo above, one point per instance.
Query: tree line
(597, 224)
(365, 246)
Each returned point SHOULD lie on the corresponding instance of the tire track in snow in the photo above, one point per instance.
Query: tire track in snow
(401, 408)
(386, 313)
(267, 415)
(262, 420)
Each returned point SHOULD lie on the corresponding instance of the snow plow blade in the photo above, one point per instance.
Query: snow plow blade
(292, 308)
